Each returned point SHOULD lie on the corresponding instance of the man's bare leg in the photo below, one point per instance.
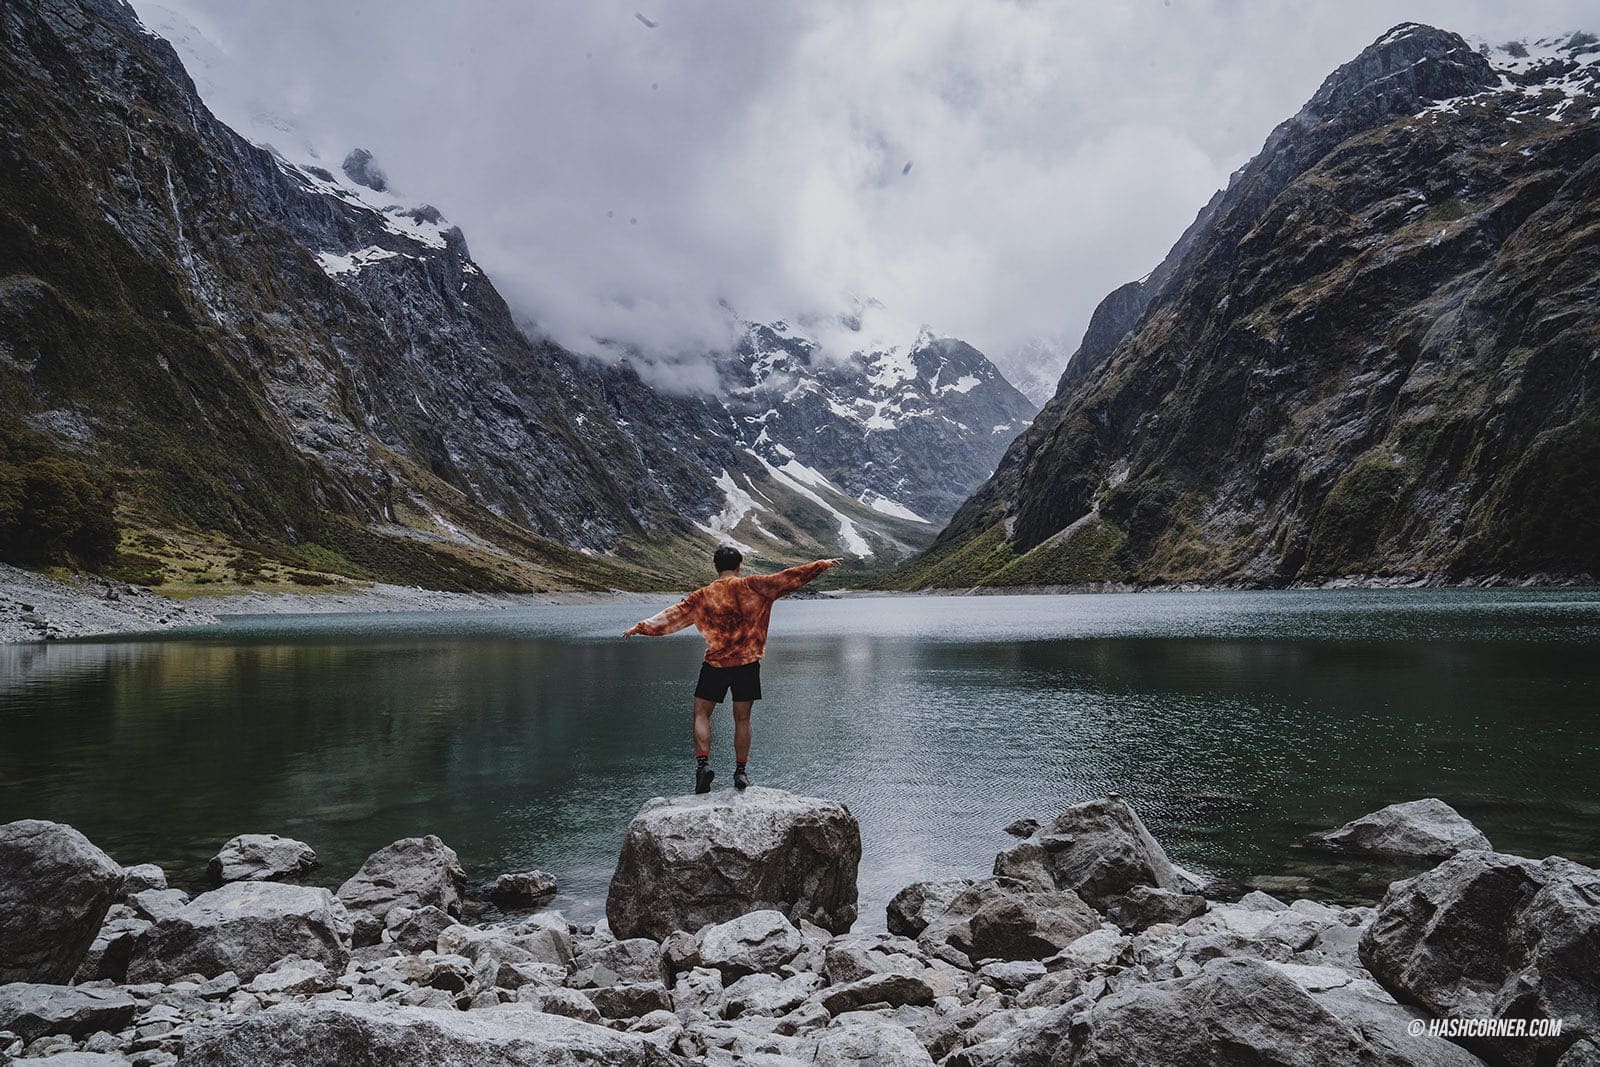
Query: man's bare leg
(741, 740)
(702, 744)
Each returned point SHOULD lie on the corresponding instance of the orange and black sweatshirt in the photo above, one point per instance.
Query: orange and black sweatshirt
(732, 613)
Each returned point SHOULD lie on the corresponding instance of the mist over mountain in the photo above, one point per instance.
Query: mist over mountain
(622, 183)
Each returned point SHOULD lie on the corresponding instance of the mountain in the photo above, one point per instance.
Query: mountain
(288, 373)
(1374, 355)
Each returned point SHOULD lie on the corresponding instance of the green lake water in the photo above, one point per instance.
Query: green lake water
(1235, 722)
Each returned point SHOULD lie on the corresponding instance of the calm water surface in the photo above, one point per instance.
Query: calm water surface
(1236, 722)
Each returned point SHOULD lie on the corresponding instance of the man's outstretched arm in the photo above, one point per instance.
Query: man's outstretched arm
(667, 621)
(773, 586)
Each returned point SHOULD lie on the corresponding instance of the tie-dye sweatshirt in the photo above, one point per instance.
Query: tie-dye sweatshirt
(732, 613)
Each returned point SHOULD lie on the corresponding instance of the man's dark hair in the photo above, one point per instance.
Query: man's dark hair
(727, 559)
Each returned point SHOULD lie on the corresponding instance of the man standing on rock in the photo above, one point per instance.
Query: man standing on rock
(731, 614)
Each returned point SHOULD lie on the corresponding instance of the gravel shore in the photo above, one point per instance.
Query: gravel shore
(34, 607)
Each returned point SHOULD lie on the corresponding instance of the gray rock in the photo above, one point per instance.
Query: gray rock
(525, 889)
(33, 1010)
(633, 959)
(292, 976)
(861, 1040)
(154, 905)
(1099, 850)
(1362, 1004)
(413, 872)
(333, 1034)
(1023, 828)
(1235, 1011)
(1144, 906)
(1428, 828)
(629, 1000)
(757, 942)
(693, 860)
(699, 993)
(111, 949)
(877, 989)
(1487, 935)
(55, 888)
(849, 957)
(1000, 918)
(416, 929)
(1012, 974)
(142, 876)
(89, 1059)
(244, 927)
(769, 995)
(261, 858)
(914, 907)
(541, 938)
(556, 1000)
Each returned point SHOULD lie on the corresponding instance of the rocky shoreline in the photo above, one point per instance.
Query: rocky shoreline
(35, 607)
(727, 939)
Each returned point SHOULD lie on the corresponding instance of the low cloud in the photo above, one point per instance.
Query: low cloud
(989, 167)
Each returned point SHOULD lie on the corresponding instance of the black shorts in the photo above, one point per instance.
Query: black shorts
(744, 680)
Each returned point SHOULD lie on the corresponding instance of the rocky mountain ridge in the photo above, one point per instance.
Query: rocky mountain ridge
(292, 375)
(1373, 356)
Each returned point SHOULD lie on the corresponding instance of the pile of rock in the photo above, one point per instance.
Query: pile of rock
(728, 941)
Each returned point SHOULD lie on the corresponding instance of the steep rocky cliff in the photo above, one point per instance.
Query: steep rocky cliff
(1374, 354)
(291, 373)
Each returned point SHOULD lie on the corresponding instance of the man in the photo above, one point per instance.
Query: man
(731, 614)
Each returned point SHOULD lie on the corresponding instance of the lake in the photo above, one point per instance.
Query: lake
(1236, 723)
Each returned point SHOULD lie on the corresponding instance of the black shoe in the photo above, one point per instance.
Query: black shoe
(702, 779)
(740, 779)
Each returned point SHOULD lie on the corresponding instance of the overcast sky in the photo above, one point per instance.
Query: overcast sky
(620, 180)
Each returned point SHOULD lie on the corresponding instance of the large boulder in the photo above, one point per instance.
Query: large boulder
(692, 860)
(413, 872)
(55, 888)
(1098, 850)
(335, 1034)
(261, 858)
(32, 1010)
(1001, 918)
(1485, 935)
(1428, 828)
(1234, 1011)
(244, 927)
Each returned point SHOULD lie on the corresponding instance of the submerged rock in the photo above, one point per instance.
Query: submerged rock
(1486, 935)
(333, 1034)
(261, 858)
(1428, 828)
(55, 888)
(1098, 850)
(524, 889)
(693, 860)
(413, 872)
(244, 927)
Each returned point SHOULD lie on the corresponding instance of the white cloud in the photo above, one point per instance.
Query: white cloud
(618, 181)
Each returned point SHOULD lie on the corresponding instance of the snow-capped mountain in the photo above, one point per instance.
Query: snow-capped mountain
(295, 368)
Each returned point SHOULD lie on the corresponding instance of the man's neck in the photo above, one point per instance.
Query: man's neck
(727, 574)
